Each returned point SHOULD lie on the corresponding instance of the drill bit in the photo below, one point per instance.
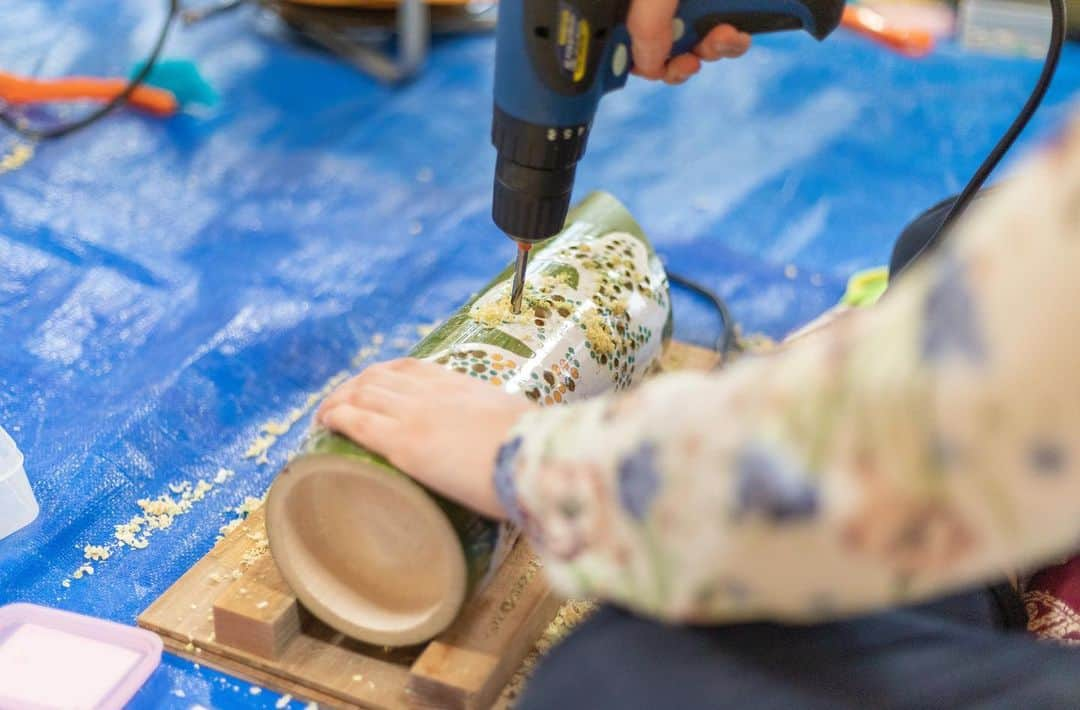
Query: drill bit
(520, 265)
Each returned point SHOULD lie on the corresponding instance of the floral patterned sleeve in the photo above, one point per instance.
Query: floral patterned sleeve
(925, 444)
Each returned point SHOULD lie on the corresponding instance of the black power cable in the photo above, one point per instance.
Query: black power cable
(1053, 54)
(37, 135)
(728, 341)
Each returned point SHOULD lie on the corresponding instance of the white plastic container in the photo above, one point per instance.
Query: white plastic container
(18, 507)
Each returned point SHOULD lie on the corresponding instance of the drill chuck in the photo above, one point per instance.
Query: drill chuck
(534, 175)
(531, 203)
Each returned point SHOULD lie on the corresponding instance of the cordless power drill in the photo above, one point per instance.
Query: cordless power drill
(554, 59)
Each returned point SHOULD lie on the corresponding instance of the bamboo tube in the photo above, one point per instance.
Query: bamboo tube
(376, 556)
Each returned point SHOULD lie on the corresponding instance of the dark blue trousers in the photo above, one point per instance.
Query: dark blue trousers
(951, 654)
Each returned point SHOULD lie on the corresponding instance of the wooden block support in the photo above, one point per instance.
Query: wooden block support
(233, 611)
(489, 640)
(258, 613)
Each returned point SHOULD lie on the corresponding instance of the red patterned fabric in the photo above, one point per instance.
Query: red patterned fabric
(1052, 602)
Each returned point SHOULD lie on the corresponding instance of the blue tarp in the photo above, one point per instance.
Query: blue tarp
(167, 287)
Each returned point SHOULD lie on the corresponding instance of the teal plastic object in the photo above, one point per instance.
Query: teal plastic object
(183, 78)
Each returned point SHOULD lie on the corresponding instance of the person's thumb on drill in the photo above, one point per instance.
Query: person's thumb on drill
(650, 23)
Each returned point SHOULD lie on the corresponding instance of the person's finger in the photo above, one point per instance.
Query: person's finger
(341, 395)
(649, 24)
(370, 429)
(681, 68)
(406, 364)
(723, 42)
(393, 375)
(378, 399)
(380, 375)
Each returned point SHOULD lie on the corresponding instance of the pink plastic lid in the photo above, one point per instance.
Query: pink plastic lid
(56, 659)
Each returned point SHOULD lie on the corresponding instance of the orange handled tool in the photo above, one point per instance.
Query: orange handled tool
(24, 90)
(867, 22)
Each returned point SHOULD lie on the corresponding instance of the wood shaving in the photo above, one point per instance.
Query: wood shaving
(258, 448)
(201, 489)
(18, 156)
(249, 506)
(242, 511)
(128, 533)
(66, 583)
(283, 701)
(224, 475)
(96, 552)
(83, 570)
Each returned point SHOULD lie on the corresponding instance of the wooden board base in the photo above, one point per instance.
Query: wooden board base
(232, 611)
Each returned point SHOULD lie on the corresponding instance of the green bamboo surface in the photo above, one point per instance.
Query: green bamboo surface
(598, 214)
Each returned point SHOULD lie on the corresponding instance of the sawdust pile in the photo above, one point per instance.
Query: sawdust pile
(154, 514)
(499, 312)
(570, 615)
(496, 312)
(598, 333)
(271, 431)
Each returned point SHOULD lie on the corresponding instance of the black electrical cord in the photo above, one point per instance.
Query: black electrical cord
(1053, 54)
(37, 135)
(728, 341)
